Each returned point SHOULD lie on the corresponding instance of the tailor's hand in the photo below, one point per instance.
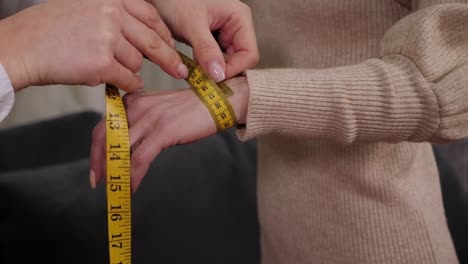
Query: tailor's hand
(193, 23)
(161, 119)
(86, 42)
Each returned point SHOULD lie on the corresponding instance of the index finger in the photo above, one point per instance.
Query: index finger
(149, 15)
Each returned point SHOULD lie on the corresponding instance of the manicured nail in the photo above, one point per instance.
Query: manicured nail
(92, 179)
(216, 72)
(182, 71)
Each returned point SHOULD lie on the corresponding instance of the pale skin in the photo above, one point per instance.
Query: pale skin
(86, 42)
(161, 119)
(232, 51)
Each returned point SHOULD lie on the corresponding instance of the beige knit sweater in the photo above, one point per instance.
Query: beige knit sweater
(346, 173)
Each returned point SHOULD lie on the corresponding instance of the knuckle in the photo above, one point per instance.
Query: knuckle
(103, 65)
(137, 64)
(166, 35)
(205, 47)
(137, 158)
(140, 158)
(111, 10)
(106, 40)
(153, 19)
(154, 44)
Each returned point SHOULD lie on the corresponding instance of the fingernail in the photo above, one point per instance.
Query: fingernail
(182, 71)
(216, 71)
(172, 43)
(92, 179)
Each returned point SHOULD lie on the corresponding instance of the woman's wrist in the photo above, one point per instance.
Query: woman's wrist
(240, 99)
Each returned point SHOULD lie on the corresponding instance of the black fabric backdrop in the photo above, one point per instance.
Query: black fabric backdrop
(182, 213)
(197, 204)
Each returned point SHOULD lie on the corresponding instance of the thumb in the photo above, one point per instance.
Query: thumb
(208, 52)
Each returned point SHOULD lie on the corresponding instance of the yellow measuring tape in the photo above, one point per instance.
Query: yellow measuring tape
(119, 217)
(213, 95)
(119, 204)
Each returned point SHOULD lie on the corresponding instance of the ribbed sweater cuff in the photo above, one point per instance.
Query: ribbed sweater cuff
(376, 100)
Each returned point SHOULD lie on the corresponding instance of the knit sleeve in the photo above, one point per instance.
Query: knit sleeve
(416, 91)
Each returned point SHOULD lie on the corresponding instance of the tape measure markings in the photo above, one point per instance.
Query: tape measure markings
(118, 179)
(213, 95)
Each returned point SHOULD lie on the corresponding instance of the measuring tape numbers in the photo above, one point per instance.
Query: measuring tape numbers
(213, 95)
(119, 216)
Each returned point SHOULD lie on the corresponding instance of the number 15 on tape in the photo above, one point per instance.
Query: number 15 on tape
(119, 217)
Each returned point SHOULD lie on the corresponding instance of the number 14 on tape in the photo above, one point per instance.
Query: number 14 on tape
(119, 217)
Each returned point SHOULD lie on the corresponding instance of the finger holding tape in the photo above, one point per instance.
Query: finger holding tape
(152, 45)
(148, 15)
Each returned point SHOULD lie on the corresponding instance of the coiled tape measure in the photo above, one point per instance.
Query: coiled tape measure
(119, 217)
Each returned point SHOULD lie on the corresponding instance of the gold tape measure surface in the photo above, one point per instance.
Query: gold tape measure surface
(213, 95)
(119, 216)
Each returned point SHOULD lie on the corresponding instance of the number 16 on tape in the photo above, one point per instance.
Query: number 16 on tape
(119, 217)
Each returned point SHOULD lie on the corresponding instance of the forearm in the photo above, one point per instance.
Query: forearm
(416, 91)
(372, 101)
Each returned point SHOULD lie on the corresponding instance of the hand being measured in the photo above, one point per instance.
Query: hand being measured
(161, 119)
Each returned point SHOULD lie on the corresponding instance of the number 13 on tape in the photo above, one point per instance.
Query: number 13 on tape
(119, 217)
